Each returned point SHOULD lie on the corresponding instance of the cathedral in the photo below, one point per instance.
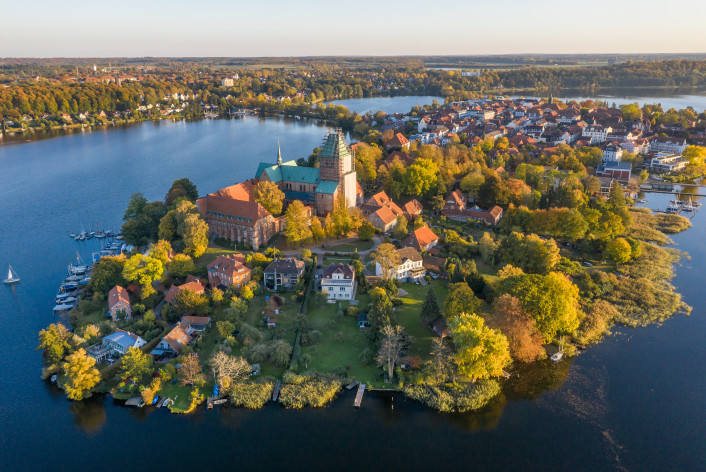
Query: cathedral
(232, 212)
(317, 187)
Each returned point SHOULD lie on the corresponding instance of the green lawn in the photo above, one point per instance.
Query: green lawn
(94, 317)
(351, 246)
(408, 315)
(329, 353)
(181, 394)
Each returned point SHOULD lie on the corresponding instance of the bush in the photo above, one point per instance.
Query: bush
(300, 391)
(311, 337)
(366, 356)
(454, 397)
(258, 353)
(281, 353)
(251, 394)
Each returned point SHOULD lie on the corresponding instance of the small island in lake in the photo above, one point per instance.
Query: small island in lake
(436, 257)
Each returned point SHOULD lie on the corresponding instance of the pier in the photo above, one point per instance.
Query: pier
(359, 395)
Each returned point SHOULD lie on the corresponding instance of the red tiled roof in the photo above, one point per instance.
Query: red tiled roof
(193, 286)
(421, 237)
(116, 295)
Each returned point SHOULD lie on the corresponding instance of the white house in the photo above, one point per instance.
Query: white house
(596, 133)
(612, 153)
(410, 267)
(670, 145)
(339, 282)
(666, 162)
(120, 341)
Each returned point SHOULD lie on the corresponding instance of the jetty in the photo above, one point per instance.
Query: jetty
(275, 392)
(359, 395)
(351, 385)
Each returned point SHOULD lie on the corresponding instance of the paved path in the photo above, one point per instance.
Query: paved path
(331, 247)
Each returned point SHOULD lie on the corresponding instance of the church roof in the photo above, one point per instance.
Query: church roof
(289, 172)
(327, 186)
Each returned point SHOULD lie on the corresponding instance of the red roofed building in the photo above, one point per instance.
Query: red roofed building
(233, 214)
(119, 304)
(455, 208)
(174, 341)
(412, 209)
(193, 286)
(422, 239)
(383, 218)
(228, 271)
(397, 141)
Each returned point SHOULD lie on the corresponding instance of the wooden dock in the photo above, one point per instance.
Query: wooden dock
(275, 392)
(359, 396)
(352, 385)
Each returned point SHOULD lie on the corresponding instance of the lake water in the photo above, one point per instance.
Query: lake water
(386, 104)
(634, 402)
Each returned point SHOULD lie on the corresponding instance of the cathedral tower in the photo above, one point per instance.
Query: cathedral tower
(336, 163)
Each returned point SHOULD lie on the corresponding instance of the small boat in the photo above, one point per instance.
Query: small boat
(63, 307)
(85, 281)
(156, 400)
(696, 204)
(72, 235)
(688, 207)
(557, 356)
(166, 402)
(65, 300)
(53, 378)
(99, 235)
(12, 277)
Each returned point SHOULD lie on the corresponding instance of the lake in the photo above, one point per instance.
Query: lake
(634, 402)
(386, 104)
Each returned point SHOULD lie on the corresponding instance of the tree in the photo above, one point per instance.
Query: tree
(181, 188)
(228, 369)
(419, 222)
(366, 157)
(281, 353)
(317, 231)
(472, 182)
(143, 270)
(618, 250)
(181, 265)
(161, 250)
(135, 206)
(487, 246)
(430, 308)
(246, 293)
(531, 253)
(269, 196)
(191, 372)
(386, 256)
(189, 302)
(107, 273)
(481, 352)
(392, 343)
(552, 300)
(297, 219)
(135, 364)
(195, 235)
(341, 217)
(493, 191)
(400, 229)
(54, 343)
(520, 329)
(420, 177)
(631, 112)
(168, 226)
(441, 362)
(461, 299)
(366, 231)
(81, 374)
(695, 155)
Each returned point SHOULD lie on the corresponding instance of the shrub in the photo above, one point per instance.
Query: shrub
(258, 353)
(454, 398)
(300, 391)
(251, 394)
(281, 353)
(366, 356)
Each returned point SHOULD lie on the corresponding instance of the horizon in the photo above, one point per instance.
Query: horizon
(77, 28)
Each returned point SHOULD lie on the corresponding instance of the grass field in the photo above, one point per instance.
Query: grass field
(330, 353)
(408, 315)
(351, 246)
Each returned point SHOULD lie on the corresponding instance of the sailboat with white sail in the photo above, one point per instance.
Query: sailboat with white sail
(12, 277)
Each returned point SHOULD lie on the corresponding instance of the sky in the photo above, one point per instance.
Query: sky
(131, 28)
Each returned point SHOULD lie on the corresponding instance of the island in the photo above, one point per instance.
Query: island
(446, 250)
